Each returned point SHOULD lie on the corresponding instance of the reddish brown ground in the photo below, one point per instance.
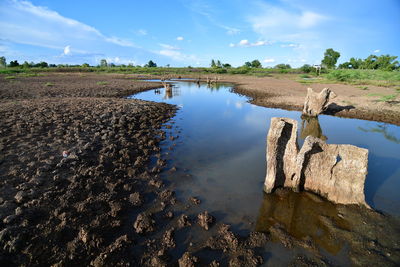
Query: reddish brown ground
(353, 102)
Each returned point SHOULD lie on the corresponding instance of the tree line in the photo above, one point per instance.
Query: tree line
(374, 62)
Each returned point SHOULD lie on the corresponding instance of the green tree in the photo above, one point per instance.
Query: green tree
(256, 64)
(219, 65)
(85, 65)
(3, 62)
(387, 62)
(306, 68)
(42, 64)
(283, 66)
(213, 65)
(103, 63)
(26, 65)
(13, 63)
(151, 64)
(330, 58)
(227, 65)
(247, 64)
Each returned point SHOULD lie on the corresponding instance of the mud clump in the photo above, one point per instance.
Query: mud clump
(183, 221)
(144, 223)
(205, 220)
(240, 250)
(187, 260)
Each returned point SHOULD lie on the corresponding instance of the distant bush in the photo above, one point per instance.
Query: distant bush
(240, 70)
(283, 66)
(306, 68)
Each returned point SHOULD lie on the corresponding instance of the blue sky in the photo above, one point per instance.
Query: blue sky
(183, 32)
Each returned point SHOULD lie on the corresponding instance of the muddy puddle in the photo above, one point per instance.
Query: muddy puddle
(219, 156)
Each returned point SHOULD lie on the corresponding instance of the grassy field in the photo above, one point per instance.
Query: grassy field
(356, 77)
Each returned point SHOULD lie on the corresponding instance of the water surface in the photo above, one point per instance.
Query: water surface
(222, 141)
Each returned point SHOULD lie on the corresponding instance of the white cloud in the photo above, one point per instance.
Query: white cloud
(67, 50)
(377, 51)
(179, 38)
(246, 43)
(141, 32)
(269, 60)
(120, 42)
(118, 60)
(24, 23)
(290, 45)
(285, 25)
(310, 19)
(174, 53)
(230, 30)
(169, 47)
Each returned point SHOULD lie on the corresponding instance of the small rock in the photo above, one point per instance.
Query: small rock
(156, 183)
(205, 220)
(144, 223)
(195, 200)
(187, 260)
(183, 221)
(136, 199)
(168, 239)
(20, 196)
(169, 215)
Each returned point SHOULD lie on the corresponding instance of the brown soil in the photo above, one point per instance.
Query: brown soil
(351, 101)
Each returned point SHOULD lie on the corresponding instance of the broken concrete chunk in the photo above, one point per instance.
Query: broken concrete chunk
(336, 172)
(316, 103)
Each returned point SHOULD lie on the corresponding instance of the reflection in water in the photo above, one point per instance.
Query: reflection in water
(215, 86)
(302, 215)
(169, 93)
(383, 129)
(311, 126)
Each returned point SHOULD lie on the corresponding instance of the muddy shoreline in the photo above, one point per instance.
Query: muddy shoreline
(103, 203)
(351, 103)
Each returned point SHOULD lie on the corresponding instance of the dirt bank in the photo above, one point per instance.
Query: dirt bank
(351, 102)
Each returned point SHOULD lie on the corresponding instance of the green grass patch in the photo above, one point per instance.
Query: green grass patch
(49, 84)
(101, 83)
(363, 87)
(386, 98)
(363, 77)
(10, 77)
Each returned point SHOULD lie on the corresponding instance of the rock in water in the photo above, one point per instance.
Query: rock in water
(316, 103)
(336, 172)
(282, 148)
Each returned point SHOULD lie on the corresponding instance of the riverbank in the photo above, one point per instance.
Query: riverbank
(352, 101)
